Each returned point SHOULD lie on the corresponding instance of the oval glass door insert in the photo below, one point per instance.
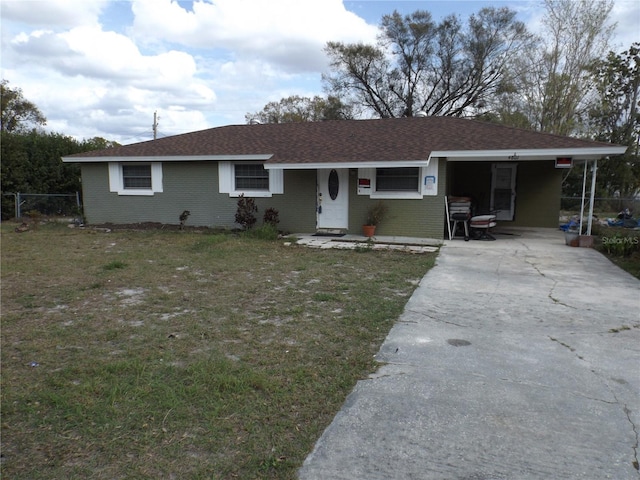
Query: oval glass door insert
(334, 184)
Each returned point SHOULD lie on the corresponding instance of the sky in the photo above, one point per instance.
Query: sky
(102, 68)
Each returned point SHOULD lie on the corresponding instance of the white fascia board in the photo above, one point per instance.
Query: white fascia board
(337, 165)
(175, 158)
(529, 154)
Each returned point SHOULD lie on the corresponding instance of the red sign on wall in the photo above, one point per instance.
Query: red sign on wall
(564, 162)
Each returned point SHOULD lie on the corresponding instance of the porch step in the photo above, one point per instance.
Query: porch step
(329, 232)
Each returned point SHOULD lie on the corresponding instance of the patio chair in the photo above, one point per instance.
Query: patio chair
(480, 226)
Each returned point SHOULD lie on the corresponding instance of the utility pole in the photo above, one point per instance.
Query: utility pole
(155, 124)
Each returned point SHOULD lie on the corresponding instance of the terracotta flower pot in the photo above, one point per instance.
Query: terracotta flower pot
(369, 230)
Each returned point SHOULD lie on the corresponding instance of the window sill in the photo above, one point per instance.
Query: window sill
(397, 195)
(251, 193)
(135, 192)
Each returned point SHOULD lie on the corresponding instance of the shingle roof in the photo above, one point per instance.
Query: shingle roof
(348, 141)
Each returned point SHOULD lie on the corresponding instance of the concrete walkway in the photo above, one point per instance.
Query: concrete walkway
(351, 242)
(515, 359)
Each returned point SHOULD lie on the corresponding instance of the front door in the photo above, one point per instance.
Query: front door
(333, 199)
(503, 190)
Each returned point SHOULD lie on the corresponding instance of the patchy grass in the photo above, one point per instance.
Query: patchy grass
(149, 354)
(629, 264)
(621, 246)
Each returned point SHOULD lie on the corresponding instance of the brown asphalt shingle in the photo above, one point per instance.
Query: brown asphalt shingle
(347, 140)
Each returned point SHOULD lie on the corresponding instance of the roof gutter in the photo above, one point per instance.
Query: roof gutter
(514, 155)
(338, 165)
(170, 158)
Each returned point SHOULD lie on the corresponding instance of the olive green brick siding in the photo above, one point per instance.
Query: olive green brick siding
(538, 187)
(422, 218)
(186, 186)
(194, 186)
(297, 206)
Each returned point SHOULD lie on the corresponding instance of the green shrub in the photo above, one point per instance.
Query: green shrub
(621, 244)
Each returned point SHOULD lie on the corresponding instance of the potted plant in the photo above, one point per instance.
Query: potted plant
(375, 215)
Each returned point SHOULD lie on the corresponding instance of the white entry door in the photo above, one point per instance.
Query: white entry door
(333, 199)
(503, 190)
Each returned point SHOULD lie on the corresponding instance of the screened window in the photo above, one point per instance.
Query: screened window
(398, 179)
(251, 177)
(136, 176)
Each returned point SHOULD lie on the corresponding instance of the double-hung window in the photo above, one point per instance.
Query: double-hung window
(250, 179)
(251, 176)
(135, 178)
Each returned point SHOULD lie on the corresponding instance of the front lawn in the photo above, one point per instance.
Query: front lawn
(156, 354)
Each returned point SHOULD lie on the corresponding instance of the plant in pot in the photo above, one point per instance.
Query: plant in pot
(375, 215)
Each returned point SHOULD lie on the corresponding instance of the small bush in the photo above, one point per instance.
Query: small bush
(271, 217)
(246, 212)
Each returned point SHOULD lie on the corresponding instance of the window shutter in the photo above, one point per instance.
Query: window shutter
(225, 177)
(429, 178)
(156, 177)
(276, 180)
(115, 177)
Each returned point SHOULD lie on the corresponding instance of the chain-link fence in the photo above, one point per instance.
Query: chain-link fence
(47, 204)
(602, 207)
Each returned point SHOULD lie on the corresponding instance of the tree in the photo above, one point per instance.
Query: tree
(416, 65)
(550, 83)
(615, 118)
(301, 109)
(31, 158)
(17, 113)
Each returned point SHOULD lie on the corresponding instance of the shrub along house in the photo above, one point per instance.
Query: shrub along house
(324, 175)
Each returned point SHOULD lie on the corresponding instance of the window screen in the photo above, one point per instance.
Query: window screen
(251, 177)
(397, 179)
(136, 176)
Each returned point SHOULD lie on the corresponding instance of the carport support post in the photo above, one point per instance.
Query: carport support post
(584, 188)
(593, 195)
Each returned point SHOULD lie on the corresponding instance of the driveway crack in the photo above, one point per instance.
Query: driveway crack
(634, 427)
(565, 345)
(627, 412)
(431, 317)
(556, 300)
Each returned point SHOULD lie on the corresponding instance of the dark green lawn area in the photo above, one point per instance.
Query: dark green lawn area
(155, 354)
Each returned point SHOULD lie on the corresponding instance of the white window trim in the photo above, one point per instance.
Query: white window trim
(116, 183)
(227, 182)
(428, 178)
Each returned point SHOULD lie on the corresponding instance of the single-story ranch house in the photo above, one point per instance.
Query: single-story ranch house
(323, 176)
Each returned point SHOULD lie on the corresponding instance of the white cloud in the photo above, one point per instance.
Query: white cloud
(288, 33)
(50, 13)
(88, 82)
(627, 15)
(93, 53)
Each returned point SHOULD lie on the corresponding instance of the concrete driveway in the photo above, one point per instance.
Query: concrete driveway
(514, 359)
